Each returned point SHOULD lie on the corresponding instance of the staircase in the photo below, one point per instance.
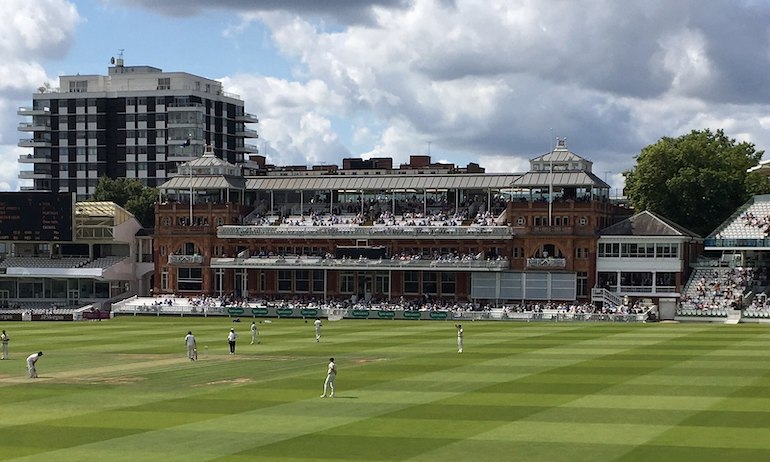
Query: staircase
(599, 295)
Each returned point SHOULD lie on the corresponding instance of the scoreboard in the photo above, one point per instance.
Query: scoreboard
(35, 216)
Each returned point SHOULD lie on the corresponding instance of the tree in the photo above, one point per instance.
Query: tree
(696, 180)
(130, 194)
(757, 183)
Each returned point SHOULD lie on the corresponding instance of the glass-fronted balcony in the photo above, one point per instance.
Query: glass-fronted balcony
(389, 232)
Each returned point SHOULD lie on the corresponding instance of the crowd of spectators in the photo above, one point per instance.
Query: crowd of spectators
(754, 221)
(719, 290)
(422, 303)
(413, 211)
(575, 308)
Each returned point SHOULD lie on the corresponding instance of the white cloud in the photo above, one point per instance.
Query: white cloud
(504, 163)
(32, 32)
(491, 81)
(36, 29)
(497, 78)
(293, 117)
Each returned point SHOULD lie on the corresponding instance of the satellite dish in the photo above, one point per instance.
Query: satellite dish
(112, 60)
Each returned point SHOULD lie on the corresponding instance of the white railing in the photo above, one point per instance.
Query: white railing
(546, 262)
(185, 259)
(603, 295)
(341, 263)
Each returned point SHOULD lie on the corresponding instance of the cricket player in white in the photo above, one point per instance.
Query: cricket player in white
(31, 361)
(459, 338)
(5, 339)
(254, 333)
(331, 374)
(192, 346)
(231, 337)
(317, 324)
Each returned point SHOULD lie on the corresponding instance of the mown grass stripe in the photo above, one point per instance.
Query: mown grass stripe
(536, 391)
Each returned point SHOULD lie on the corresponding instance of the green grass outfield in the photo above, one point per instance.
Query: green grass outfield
(122, 390)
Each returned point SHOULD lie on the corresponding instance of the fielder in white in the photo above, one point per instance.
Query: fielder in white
(331, 374)
(5, 339)
(317, 325)
(192, 346)
(31, 362)
(231, 337)
(459, 338)
(254, 333)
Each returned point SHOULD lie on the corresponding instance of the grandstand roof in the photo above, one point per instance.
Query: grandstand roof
(204, 182)
(96, 209)
(102, 209)
(384, 182)
(647, 224)
(559, 178)
(558, 155)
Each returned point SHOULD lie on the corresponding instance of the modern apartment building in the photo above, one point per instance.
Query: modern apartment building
(135, 122)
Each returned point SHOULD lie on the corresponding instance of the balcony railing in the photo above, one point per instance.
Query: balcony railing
(31, 127)
(247, 148)
(31, 175)
(712, 242)
(185, 259)
(203, 229)
(33, 143)
(348, 264)
(389, 232)
(248, 133)
(30, 159)
(28, 111)
(564, 230)
(197, 106)
(247, 117)
(546, 262)
(647, 289)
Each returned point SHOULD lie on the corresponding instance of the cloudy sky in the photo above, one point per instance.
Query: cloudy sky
(487, 81)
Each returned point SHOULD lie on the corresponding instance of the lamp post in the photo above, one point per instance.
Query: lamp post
(189, 171)
(189, 174)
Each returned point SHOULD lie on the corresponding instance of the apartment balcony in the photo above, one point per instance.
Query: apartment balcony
(33, 143)
(248, 118)
(33, 127)
(185, 107)
(30, 175)
(178, 124)
(247, 133)
(29, 111)
(185, 259)
(546, 263)
(247, 148)
(31, 159)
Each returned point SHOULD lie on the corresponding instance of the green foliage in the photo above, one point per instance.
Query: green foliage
(697, 180)
(757, 183)
(130, 194)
